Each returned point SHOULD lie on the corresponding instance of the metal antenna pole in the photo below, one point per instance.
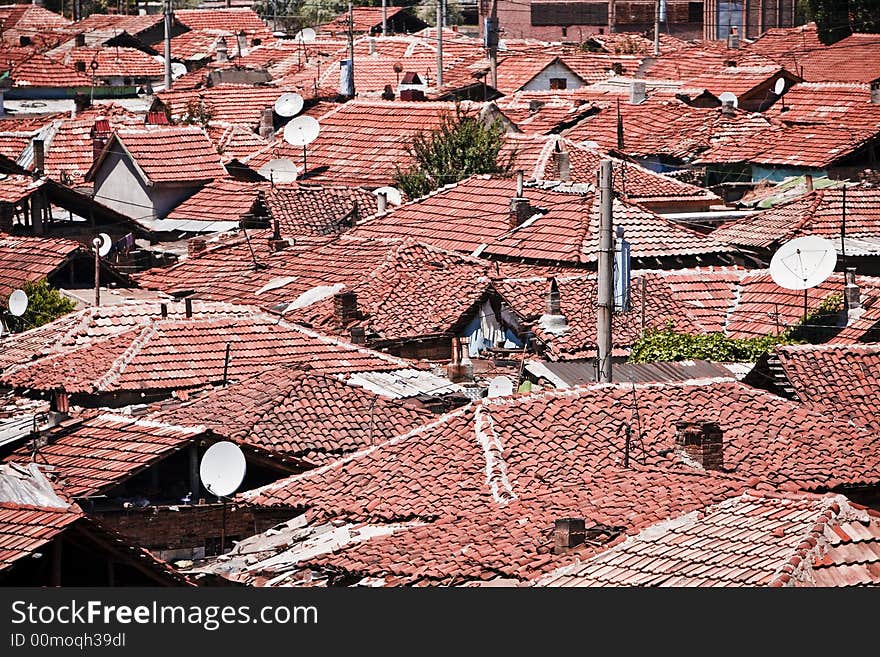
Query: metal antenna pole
(843, 245)
(492, 43)
(439, 43)
(606, 273)
(384, 17)
(351, 46)
(656, 28)
(97, 276)
(167, 44)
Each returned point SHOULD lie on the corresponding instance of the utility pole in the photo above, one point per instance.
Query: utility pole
(656, 28)
(612, 16)
(275, 16)
(491, 34)
(384, 17)
(96, 243)
(167, 44)
(606, 274)
(439, 44)
(351, 48)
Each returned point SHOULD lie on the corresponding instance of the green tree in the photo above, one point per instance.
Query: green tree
(45, 304)
(462, 145)
(426, 10)
(837, 19)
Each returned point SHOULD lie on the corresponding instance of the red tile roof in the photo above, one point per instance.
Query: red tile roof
(235, 20)
(829, 103)
(816, 213)
(167, 355)
(234, 141)
(29, 20)
(114, 62)
(24, 529)
(117, 22)
(509, 467)
(168, 155)
(198, 45)
(542, 112)
(223, 199)
(516, 70)
(227, 103)
(737, 80)
(365, 19)
(362, 142)
(30, 259)
(105, 450)
(752, 540)
(843, 380)
(38, 70)
(475, 212)
(310, 416)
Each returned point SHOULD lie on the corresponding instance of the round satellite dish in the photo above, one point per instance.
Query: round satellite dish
(728, 97)
(222, 468)
(301, 131)
(288, 105)
(803, 263)
(178, 69)
(500, 386)
(391, 193)
(103, 243)
(281, 170)
(306, 34)
(18, 303)
(779, 87)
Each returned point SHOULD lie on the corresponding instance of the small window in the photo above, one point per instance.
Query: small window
(558, 83)
(564, 31)
(695, 12)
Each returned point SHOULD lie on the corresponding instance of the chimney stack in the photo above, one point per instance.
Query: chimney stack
(382, 203)
(453, 370)
(345, 308)
(188, 304)
(554, 301)
(80, 40)
(241, 43)
(81, 102)
(39, 147)
(733, 38)
(568, 533)
(700, 444)
(637, 92)
(852, 295)
(372, 44)
(196, 247)
(60, 402)
(267, 130)
(222, 55)
(808, 181)
(875, 92)
(562, 162)
(80, 66)
(519, 183)
(358, 335)
(520, 210)
(727, 108)
(163, 310)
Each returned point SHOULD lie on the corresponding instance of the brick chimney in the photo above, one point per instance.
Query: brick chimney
(561, 164)
(196, 247)
(39, 147)
(568, 533)
(520, 210)
(267, 131)
(222, 55)
(276, 242)
(80, 40)
(554, 302)
(852, 295)
(100, 134)
(345, 308)
(700, 444)
(733, 38)
(808, 182)
(358, 335)
(637, 92)
(875, 92)
(727, 108)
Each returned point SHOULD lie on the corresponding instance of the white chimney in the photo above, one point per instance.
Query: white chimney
(875, 92)
(733, 38)
(383, 203)
(372, 43)
(637, 92)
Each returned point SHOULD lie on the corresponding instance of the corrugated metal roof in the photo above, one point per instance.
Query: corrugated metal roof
(574, 373)
(404, 383)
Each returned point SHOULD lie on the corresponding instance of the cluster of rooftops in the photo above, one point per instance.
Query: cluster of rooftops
(412, 381)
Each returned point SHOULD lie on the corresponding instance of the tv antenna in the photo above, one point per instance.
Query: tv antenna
(803, 263)
(222, 471)
(302, 131)
(288, 105)
(102, 245)
(281, 170)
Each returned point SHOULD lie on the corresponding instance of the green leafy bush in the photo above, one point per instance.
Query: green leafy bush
(45, 304)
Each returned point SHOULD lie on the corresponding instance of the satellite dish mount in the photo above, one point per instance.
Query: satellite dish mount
(803, 263)
(221, 472)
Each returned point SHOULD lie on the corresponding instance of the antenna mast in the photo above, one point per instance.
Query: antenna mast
(491, 29)
(351, 48)
(606, 274)
(439, 44)
(167, 9)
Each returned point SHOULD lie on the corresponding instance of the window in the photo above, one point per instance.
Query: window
(569, 13)
(564, 31)
(558, 83)
(695, 12)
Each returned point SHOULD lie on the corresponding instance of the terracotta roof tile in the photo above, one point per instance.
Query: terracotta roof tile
(365, 19)
(114, 62)
(38, 70)
(30, 259)
(25, 529)
(234, 20)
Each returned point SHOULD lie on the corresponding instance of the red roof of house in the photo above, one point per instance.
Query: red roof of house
(834, 104)
(542, 112)
(227, 103)
(234, 20)
(300, 413)
(486, 471)
(114, 62)
(816, 213)
(233, 141)
(169, 354)
(763, 539)
(118, 22)
(105, 450)
(318, 209)
(29, 20)
(839, 379)
(24, 528)
(168, 154)
(365, 19)
(29, 259)
(737, 80)
(38, 70)
(474, 214)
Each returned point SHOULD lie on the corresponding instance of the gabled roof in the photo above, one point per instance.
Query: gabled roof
(226, 103)
(104, 450)
(234, 20)
(741, 81)
(314, 417)
(172, 354)
(166, 155)
(818, 213)
(756, 539)
(365, 20)
(114, 62)
(30, 259)
(38, 70)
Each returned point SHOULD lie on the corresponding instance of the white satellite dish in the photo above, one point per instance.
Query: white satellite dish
(222, 469)
(500, 386)
(728, 97)
(18, 303)
(391, 193)
(276, 283)
(301, 131)
(803, 263)
(177, 70)
(779, 87)
(103, 243)
(281, 170)
(288, 105)
(306, 34)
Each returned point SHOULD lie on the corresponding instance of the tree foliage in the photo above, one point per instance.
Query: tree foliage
(837, 19)
(462, 145)
(426, 10)
(45, 304)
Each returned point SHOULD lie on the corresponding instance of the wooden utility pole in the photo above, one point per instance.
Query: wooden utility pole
(384, 17)
(491, 35)
(167, 45)
(656, 28)
(96, 243)
(439, 44)
(606, 274)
